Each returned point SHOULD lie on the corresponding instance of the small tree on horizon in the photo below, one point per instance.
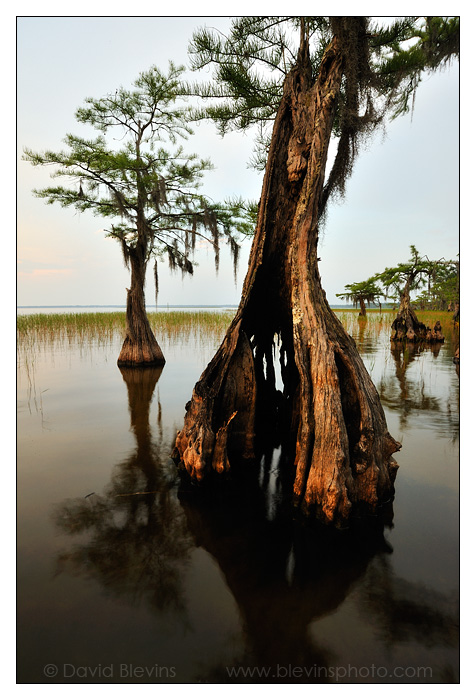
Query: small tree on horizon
(149, 192)
(361, 293)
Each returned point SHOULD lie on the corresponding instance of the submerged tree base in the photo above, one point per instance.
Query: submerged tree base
(140, 347)
(407, 328)
(133, 355)
(274, 483)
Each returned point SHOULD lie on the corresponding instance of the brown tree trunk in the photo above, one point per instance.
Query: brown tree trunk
(456, 314)
(363, 311)
(140, 348)
(338, 439)
(407, 327)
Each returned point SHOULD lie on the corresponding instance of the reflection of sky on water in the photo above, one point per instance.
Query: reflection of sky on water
(161, 577)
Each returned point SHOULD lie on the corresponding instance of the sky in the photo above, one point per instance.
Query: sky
(404, 190)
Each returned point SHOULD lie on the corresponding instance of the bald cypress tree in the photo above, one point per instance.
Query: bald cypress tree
(135, 175)
(403, 279)
(342, 78)
(367, 292)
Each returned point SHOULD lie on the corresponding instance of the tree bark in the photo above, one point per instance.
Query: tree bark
(339, 446)
(456, 314)
(140, 348)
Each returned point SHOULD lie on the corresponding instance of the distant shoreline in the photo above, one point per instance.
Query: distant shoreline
(171, 306)
(123, 306)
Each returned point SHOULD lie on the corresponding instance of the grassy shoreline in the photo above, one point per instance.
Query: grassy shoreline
(105, 324)
(116, 320)
(36, 331)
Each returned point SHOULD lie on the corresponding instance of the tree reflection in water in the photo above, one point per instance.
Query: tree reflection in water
(285, 575)
(137, 542)
(404, 611)
(137, 538)
(408, 396)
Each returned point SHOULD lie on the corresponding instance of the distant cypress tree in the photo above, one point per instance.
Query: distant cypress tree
(150, 194)
(362, 293)
(405, 278)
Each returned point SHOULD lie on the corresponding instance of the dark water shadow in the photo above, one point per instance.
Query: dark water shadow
(406, 611)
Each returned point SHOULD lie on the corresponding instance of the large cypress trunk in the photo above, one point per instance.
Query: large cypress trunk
(140, 348)
(338, 439)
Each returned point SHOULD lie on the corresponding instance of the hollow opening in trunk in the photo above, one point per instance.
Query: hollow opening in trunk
(257, 382)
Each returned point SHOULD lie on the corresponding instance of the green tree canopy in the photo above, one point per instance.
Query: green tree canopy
(384, 63)
(140, 184)
(367, 292)
(412, 275)
(137, 175)
(443, 287)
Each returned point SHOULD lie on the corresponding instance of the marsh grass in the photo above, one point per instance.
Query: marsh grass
(101, 326)
(38, 331)
(44, 336)
(48, 333)
(54, 326)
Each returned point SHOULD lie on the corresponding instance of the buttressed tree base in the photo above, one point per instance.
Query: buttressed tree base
(329, 409)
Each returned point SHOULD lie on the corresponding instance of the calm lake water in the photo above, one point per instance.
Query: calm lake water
(125, 576)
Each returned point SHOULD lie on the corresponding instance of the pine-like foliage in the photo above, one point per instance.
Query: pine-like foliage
(367, 292)
(136, 175)
(414, 274)
(383, 65)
